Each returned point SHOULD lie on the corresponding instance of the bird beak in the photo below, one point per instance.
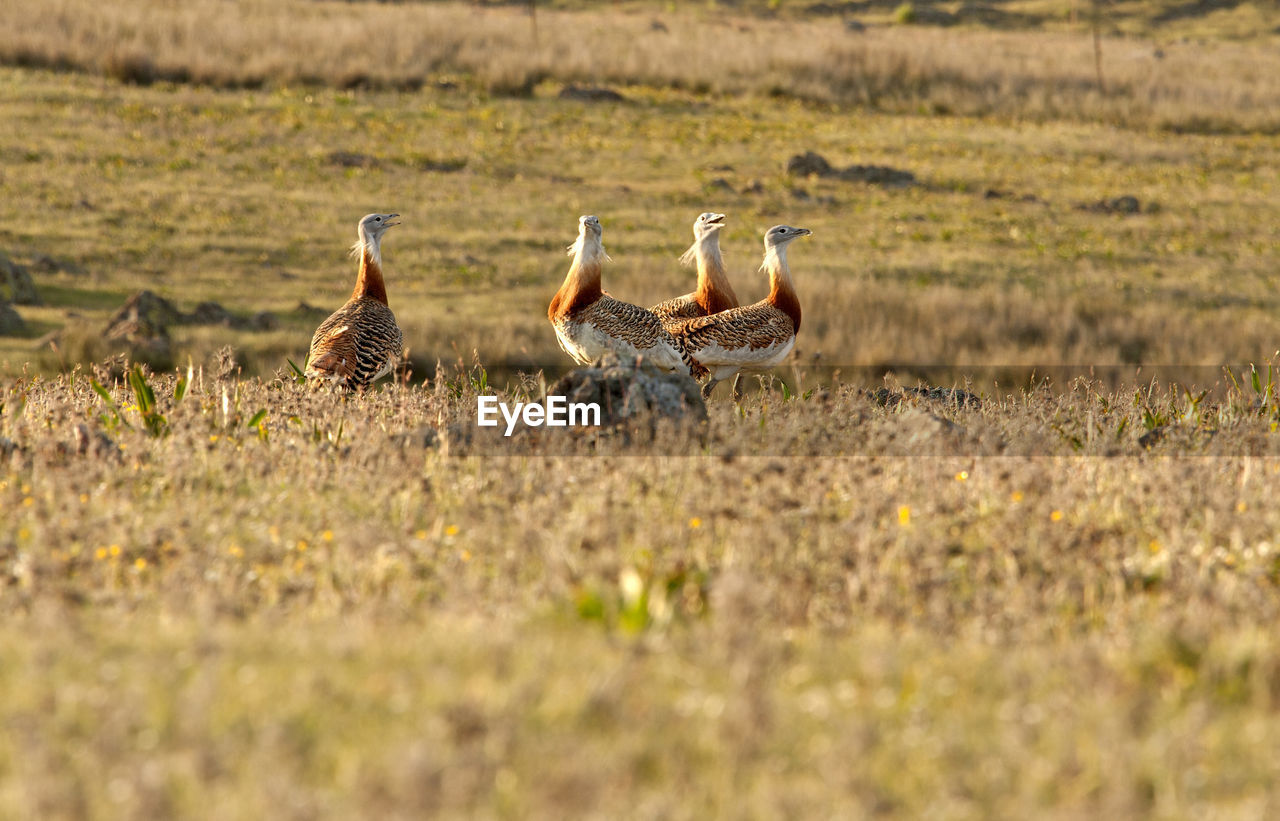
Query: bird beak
(390, 218)
(718, 219)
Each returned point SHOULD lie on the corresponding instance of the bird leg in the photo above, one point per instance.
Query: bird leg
(708, 387)
(737, 387)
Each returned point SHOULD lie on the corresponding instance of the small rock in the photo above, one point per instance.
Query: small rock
(920, 426)
(22, 290)
(11, 323)
(855, 26)
(809, 164)
(756, 187)
(591, 94)
(46, 264)
(352, 159)
(720, 184)
(1126, 204)
(144, 315)
(948, 396)
(877, 175)
(209, 313)
(306, 311)
(800, 194)
(658, 25)
(632, 390)
(263, 321)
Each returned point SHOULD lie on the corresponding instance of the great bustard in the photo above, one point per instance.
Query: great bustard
(752, 337)
(590, 323)
(360, 341)
(713, 293)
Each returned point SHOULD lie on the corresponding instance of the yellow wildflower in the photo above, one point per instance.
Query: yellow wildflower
(904, 515)
(695, 523)
(1056, 516)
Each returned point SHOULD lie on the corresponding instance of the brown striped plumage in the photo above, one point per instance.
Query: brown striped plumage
(360, 341)
(752, 337)
(589, 323)
(713, 293)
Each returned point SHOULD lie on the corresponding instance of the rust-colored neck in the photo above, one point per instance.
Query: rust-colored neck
(714, 293)
(581, 285)
(782, 291)
(369, 283)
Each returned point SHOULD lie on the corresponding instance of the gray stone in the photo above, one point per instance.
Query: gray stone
(633, 390)
(18, 282)
(11, 323)
(144, 316)
(591, 94)
(813, 164)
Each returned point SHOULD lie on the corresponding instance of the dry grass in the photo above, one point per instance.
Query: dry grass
(1196, 86)
(234, 196)
(1058, 604)
(319, 617)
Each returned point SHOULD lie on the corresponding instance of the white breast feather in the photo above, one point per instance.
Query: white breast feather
(585, 343)
(745, 357)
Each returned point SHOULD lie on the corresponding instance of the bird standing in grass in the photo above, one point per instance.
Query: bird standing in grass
(590, 323)
(713, 293)
(752, 337)
(360, 341)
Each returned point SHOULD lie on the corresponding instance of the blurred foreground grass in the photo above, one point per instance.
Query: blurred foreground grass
(365, 607)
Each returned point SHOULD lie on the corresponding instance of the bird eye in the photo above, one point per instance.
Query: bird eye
(377, 219)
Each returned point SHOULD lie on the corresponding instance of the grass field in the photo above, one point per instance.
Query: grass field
(821, 606)
(264, 600)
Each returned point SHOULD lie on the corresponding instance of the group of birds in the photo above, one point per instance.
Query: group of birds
(705, 333)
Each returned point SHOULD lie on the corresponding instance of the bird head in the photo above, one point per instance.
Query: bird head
(589, 227)
(707, 223)
(374, 224)
(780, 235)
